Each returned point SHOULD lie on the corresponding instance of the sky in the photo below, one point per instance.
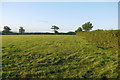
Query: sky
(60, 0)
(68, 16)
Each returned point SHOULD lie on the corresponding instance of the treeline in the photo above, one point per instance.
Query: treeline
(39, 33)
(105, 39)
(7, 31)
(85, 27)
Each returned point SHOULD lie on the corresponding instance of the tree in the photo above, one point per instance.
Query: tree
(55, 28)
(87, 26)
(78, 30)
(21, 30)
(6, 30)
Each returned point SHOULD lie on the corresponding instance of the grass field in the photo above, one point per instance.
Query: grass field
(56, 56)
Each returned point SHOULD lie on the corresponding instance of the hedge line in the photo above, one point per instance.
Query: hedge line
(103, 38)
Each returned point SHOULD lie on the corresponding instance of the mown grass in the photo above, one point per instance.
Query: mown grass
(56, 56)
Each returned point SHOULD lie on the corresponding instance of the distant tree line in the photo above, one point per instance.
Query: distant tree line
(7, 31)
(85, 27)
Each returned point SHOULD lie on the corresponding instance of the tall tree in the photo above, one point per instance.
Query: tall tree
(78, 30)
(55, 28)
(87, 26)
(21, 30)
(6, 30)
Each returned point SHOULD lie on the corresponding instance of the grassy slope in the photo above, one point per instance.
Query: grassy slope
(103, 38)
(43, 56)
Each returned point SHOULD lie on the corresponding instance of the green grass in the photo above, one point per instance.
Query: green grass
(103, 38)
(55, 56)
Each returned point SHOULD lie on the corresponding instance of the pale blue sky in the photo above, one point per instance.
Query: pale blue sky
(40, 16)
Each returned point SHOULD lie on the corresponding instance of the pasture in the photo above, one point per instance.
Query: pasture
(56, 56)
